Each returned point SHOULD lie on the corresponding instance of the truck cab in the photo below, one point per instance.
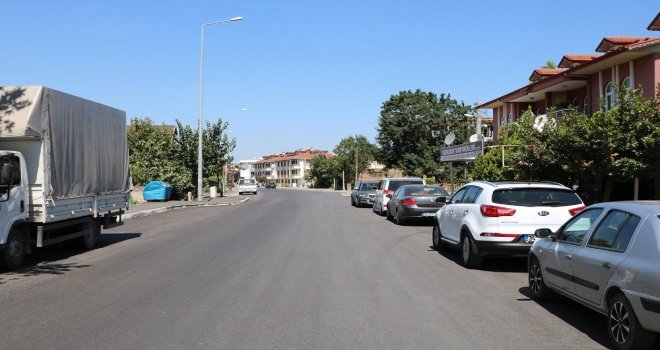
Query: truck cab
(13, 211)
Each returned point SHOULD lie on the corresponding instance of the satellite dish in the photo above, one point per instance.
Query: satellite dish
(449, 139)
(474, 138)
(540, 121)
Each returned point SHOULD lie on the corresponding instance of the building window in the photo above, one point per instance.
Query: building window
(610, 96)
(627, 84)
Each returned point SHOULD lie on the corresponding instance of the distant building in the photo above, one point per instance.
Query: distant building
(287, 169)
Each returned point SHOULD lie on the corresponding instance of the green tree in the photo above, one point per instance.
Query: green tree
(412, 127)
(550, 64)
(154, 155)
(354, 149)
(610, 146)
(217, 152)
(595, 151)
(323, 171)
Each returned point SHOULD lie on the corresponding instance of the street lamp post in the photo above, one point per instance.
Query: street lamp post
(201, 104)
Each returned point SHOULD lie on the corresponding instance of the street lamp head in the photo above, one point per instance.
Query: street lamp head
(234, 19)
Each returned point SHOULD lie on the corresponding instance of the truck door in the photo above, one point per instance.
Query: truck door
(13, 206)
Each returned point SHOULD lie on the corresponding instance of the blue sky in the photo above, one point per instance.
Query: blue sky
(309, 72)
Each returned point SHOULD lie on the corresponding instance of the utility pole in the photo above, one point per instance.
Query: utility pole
(356, 165)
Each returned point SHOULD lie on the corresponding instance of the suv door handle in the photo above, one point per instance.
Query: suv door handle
(607, 265)
(569, 257)
(465, 212)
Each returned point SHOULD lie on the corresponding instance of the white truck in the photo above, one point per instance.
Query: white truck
(63, 170)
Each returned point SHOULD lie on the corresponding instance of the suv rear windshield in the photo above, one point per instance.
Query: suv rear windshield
(536, 197)
(367, 186)
(246, 182)
(395, 184)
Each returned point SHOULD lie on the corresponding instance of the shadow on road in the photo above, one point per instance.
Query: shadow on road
(45, 261)
(499, 264)
(579, 317)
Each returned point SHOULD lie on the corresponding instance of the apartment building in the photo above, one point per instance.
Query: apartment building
(581, 81)
(587, 83)
(287, 169)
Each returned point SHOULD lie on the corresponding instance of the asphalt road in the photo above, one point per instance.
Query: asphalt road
(286, 270)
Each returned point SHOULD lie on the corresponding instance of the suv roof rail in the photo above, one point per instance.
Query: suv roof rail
(502, 182)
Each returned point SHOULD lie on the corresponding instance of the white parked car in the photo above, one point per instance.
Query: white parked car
(607, 258)
(389, 186)
(500, 218)
(247, 186)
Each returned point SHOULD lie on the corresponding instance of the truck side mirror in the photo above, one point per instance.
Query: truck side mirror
(6, 174)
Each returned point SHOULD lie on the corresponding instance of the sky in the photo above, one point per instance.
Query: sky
(296, 74)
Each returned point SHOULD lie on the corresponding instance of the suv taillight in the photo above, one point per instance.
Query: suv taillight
(494, 211)
(575, 210)
(409, 201)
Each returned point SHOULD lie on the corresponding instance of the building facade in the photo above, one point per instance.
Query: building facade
(287, 169)
(582, 81)
(588, 83)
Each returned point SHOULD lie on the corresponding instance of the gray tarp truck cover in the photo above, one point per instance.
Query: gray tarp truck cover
(85, 150)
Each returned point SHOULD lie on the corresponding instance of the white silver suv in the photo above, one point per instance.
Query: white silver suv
(247, 186)
(500, 218)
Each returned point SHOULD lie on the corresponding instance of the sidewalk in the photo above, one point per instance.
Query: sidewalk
(149, 208)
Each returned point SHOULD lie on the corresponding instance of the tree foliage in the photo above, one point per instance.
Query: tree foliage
(157, 153)
(594, 151)
(323, 171)
(412, 128)
(354, 149)
(217, 151)
(154, 155)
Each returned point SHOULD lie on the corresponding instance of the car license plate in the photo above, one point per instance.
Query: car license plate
(428, 214)
(529, 238)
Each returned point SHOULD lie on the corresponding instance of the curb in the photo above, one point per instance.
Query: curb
(141, 214)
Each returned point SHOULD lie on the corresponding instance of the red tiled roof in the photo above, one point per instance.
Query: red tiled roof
(572, 60)
(655, 24)
(615, 42)
(542, 73)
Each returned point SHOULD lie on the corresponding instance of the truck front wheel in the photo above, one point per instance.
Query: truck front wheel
(13, 253)
(92, 233)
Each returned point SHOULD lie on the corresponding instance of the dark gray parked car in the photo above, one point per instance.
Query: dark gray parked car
(415, 202)
(364, 192)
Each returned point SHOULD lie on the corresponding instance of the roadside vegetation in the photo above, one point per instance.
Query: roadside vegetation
(158, 152)
(588, 152)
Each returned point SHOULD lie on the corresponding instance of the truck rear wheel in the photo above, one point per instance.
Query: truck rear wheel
(92, 233)
(13, 254)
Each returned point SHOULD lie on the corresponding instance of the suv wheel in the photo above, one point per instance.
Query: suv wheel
(468, 257)
(438, 244)
(623, 327)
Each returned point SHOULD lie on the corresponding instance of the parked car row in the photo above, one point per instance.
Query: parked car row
(400, 199)
(605, 256)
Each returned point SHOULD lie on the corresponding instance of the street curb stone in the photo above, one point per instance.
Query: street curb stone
(144, 213)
